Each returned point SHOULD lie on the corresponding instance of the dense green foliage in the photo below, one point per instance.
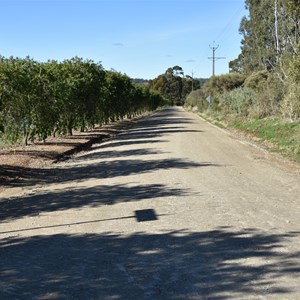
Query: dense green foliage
(40, 99)
(271, 35)
(265, 78)
(270, 50)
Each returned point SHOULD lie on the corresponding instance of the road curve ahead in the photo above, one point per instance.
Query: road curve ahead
(171, 208)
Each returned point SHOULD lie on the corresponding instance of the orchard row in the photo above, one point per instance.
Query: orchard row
(42, 99)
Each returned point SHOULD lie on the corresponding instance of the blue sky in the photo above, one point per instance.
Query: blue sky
(141, 38)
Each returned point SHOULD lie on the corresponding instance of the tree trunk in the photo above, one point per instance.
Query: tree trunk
(25, 137)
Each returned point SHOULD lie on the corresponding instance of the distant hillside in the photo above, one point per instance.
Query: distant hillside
(201, 81)
(198, 82)
(140, 81)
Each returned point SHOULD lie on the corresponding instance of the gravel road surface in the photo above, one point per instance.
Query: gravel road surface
(171, 208)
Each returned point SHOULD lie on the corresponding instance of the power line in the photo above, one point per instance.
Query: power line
(214, 58)
(224, 33)
(222, 36)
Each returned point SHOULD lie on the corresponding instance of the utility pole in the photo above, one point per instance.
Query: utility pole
(214, 58)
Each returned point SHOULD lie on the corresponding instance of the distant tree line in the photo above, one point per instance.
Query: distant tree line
(42, 99)
(265, 78)
(174, 85)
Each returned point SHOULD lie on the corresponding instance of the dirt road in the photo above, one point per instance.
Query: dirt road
(172, 208)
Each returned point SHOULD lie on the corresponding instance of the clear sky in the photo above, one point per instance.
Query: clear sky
(141, 38)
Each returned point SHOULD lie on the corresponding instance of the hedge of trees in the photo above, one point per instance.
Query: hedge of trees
(42, 99)
(265, 78)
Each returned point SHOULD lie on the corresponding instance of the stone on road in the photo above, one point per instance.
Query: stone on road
(171, 208)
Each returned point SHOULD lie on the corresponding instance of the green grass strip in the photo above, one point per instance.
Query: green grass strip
(281, 137)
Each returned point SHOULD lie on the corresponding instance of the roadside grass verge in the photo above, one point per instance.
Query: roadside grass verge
(273, 133)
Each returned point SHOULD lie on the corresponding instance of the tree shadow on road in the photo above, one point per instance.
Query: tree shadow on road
(94, 154)
(100, 170)
(218, 264)
(148, 134)
(50, 201)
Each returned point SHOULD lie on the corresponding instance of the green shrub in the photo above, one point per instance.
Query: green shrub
(290, 106)
(269, 92)
(216, 86)
(223, 83)
(257, 80)
(239, 101)
(196, 99)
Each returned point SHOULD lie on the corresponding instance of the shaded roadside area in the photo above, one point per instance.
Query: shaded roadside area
(216, 264)
(20, 162)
